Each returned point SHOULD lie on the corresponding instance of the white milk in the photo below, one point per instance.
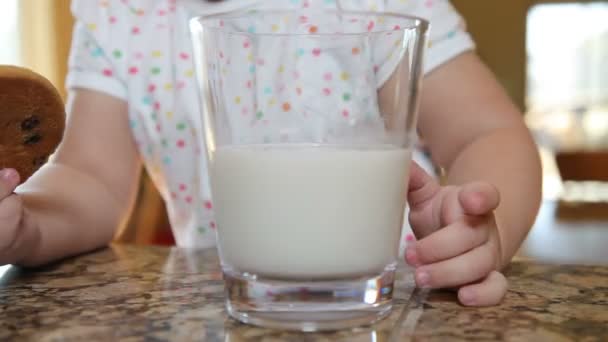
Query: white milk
(309, 211)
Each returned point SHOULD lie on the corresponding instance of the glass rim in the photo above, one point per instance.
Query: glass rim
(416, 23)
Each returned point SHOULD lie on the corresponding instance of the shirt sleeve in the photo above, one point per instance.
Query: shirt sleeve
(448, 36)
(96, 56)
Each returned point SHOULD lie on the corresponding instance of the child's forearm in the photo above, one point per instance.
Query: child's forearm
(507, 158)
(70, 213)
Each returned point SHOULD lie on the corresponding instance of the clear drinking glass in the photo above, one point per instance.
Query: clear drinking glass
(309, 120)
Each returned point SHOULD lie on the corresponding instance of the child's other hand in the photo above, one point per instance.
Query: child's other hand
(15, 234)
(458, 243)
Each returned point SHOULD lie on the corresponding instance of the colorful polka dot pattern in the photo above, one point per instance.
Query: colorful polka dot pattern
(140, 50)
(337, 91)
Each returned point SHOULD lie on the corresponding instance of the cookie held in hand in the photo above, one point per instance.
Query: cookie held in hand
(32, 120)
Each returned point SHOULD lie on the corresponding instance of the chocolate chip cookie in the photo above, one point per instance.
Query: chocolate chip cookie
(32, 120)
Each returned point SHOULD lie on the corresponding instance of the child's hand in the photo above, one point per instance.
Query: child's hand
(458, 243)
(15, 234)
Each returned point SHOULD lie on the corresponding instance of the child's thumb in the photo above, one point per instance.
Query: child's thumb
(422, 187)
(9, 179)
(478, 198)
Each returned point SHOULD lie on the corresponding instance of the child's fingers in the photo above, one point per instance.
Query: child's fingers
(478, 198)
(9, 179)
(422, 186)
(449, 242)
(490, 291)
(463, 269)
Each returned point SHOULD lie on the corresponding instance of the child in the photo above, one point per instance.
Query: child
(133, 99)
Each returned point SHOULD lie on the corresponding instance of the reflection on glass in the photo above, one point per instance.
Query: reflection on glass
(4, 270)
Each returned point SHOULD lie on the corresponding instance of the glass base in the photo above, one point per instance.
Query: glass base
(309, 305)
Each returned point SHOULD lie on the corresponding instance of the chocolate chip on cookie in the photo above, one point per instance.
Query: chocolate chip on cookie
(39, 161)
(32, 120)
(30, 123)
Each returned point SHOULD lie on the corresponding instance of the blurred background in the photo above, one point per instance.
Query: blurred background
(551, 56)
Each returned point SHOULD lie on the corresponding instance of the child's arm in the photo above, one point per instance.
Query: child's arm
(475, 132)
(76, 202)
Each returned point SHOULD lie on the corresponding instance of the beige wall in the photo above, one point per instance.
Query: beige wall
(46, 27)
(499, 29)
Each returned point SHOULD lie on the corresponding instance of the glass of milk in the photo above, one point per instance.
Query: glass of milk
(309, 120)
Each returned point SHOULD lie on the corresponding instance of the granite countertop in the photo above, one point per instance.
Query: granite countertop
(149, 293)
